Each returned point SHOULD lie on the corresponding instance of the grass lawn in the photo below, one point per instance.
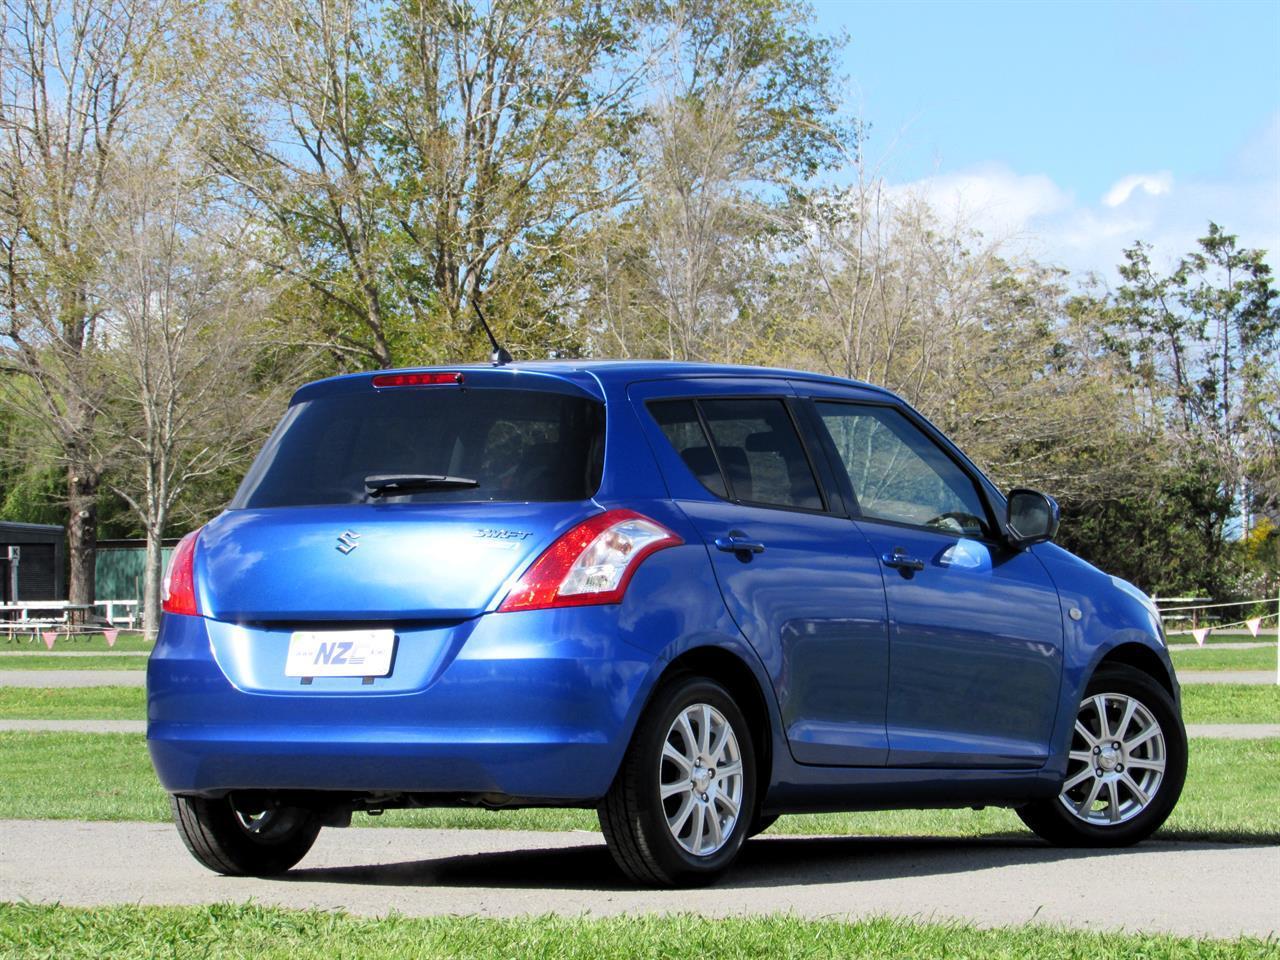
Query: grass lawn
(132, 661)
(1261, 658)
(1201, 703)
(134, 642)
(73, 703)
(1230, 703)
(265, 933)
(72, 776)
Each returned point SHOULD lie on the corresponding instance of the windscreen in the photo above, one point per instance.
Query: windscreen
(489, 445)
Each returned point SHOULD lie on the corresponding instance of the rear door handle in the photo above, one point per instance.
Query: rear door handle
(901, 561)
(737, 542)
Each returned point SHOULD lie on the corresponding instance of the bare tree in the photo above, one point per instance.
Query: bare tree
(698, 217)
(743, 114)
(75, 79)
(184, 349)
(997, 352)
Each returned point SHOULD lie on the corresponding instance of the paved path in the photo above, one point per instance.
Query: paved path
(75, 726)
(73, 653)
(1258, 645)
(1220, 635)
(1234, 731)
(1254, 677)
(1186, 888)
(73, 678)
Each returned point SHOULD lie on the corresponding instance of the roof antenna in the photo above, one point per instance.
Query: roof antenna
(499, 355)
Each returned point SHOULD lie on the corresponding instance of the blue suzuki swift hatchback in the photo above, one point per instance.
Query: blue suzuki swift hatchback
(692, 597)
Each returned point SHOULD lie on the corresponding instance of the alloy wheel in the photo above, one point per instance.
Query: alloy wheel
(1117, 760)
(700, 779)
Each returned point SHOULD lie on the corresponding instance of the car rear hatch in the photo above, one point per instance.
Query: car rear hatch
(389, 498)
(396, 562)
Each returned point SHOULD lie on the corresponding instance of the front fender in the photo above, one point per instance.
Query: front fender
(1100, 621)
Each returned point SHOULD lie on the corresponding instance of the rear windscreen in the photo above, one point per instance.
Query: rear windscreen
(515, 445)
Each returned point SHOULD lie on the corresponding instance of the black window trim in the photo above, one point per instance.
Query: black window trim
(927, 429)
(788, 403)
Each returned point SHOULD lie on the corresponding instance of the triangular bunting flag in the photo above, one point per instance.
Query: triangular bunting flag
(111, 636)
(1254, 625)
(1200, 634)
(49, 637)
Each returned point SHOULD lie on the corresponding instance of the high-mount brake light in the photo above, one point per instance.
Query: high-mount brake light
(416, 379)
(591, 564)
(179, 588)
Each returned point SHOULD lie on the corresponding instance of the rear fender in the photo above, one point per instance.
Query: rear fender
(675, 613)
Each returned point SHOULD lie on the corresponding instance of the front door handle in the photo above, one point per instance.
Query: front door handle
(901, 561)
(737, 542)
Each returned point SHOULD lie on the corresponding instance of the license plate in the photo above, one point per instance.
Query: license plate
(340, 653)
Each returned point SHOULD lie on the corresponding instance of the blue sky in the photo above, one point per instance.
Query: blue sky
(1074, 128)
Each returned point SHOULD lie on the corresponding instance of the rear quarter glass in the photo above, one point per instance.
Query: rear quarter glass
(517, 445)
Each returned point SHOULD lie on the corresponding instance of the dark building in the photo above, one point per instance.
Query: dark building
(32, 562)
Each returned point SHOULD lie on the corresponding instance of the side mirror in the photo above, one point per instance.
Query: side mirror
(1033, 517)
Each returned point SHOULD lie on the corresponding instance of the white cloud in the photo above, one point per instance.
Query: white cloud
(1039, 218)
(1152, 184)
(992, 198)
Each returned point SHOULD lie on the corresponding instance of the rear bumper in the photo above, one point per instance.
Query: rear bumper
(535, 706)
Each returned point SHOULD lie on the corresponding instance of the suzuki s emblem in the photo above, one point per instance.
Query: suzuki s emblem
(348, 542)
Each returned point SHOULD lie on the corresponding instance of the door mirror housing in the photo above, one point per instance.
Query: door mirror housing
(1032, 517)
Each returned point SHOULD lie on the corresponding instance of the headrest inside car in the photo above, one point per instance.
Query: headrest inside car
(765, 441)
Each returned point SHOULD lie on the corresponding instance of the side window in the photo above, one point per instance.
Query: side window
(679, 421)
(761, 453)
(898, 474)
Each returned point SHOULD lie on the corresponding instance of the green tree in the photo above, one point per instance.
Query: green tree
(415, 159)
(504, 128)
(1205, 340)
(282, 92)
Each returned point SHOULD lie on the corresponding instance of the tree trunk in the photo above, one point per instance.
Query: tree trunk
(82, 531)
(151, 581)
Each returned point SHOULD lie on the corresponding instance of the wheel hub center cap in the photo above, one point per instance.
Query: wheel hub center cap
(1108, 758)
(701, 779)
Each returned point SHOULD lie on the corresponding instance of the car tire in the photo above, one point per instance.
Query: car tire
(1119, 788)
(229, 841)
(690, 836)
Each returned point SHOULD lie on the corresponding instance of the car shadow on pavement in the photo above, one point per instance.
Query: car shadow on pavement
(766, 861)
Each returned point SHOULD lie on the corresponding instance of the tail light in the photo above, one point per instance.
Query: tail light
(179, 588)
(591, 564)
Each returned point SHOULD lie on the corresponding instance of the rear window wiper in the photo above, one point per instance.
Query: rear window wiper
(380, 484)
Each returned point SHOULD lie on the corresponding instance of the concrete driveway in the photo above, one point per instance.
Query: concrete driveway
(1185, 888)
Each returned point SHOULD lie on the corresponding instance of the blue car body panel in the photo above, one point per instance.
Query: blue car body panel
(280, 564)
(956, 686)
